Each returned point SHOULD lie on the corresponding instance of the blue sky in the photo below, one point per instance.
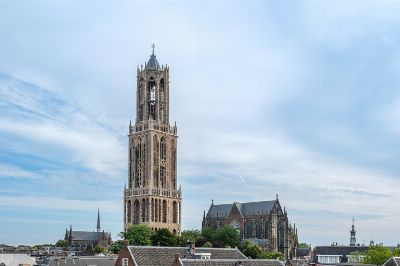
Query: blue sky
(298, 98)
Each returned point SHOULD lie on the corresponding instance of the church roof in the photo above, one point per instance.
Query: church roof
(88, 236)
(247, 208)
(153, 63)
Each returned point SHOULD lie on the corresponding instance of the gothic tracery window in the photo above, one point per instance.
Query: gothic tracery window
(151, 96)
(163, 151)
(139, 170)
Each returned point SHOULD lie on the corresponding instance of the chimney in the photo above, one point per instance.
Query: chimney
(125, 243)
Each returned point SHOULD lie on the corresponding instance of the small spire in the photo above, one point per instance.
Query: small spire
(98, 220)
(153, 46)
(277, 196)
(212, 201)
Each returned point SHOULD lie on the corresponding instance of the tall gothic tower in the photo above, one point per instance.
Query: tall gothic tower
(352, 235)
(152, 196)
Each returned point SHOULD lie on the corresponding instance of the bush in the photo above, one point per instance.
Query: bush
(99, 249)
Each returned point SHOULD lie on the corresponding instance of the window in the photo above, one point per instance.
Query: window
(125, 262)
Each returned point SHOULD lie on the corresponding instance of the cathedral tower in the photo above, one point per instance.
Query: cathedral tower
(352, 235)
(152, 196)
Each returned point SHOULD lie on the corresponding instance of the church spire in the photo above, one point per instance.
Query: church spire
(352, 235)
(98, 220)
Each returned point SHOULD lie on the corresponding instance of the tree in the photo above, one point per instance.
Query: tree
(165, 238)
(2, 264)
(227, 236)
(250, 250)
(138, 234)
(62, 243)
(99, 249)
(396, 252)
(190, 235)
(208, 233)
(116, 246)
(377, 255)
(207, 245)
(303, 245)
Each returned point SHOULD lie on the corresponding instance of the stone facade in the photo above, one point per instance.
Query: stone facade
(261, 222)
(152, 196)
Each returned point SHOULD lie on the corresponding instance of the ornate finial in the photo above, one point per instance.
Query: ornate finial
(153, 46)
(212, 201)
(277, 196)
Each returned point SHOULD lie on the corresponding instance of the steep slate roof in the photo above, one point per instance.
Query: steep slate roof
(247, 208)
(337, 250)
(393, 261)
(164, 256)
(153, 63)
(229, 262)
(83, 261)
(301, 252)
(91, 236)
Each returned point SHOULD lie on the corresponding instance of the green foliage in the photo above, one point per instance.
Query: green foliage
(255, 252)
(303, 245)
(165, 238)
(138, 234)
(207, 245)
(250, 250)
(271, 255)
(99, 249)
(396, 252)
(226, 236)
(377, 255)
(208, 233)
(62, 243)
(116, 246)
(189, 235)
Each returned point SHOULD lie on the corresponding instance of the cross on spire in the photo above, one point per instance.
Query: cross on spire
(153, 46)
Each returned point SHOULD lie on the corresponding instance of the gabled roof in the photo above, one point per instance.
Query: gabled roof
(229, 262)
(83, 261)
(338, 250)
(393, 261)
(165, 256)
(247, 208)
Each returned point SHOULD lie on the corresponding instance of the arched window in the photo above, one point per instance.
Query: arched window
(139, 164)
(136, 212)
(152, 210)
(156, 210)
(175, 212)
(156, 148)
(163, 151)
(129, 213)
(164, 208)
(151, 96)
(143, 210)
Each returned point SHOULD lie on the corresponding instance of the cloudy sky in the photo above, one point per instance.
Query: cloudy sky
(298, 98)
